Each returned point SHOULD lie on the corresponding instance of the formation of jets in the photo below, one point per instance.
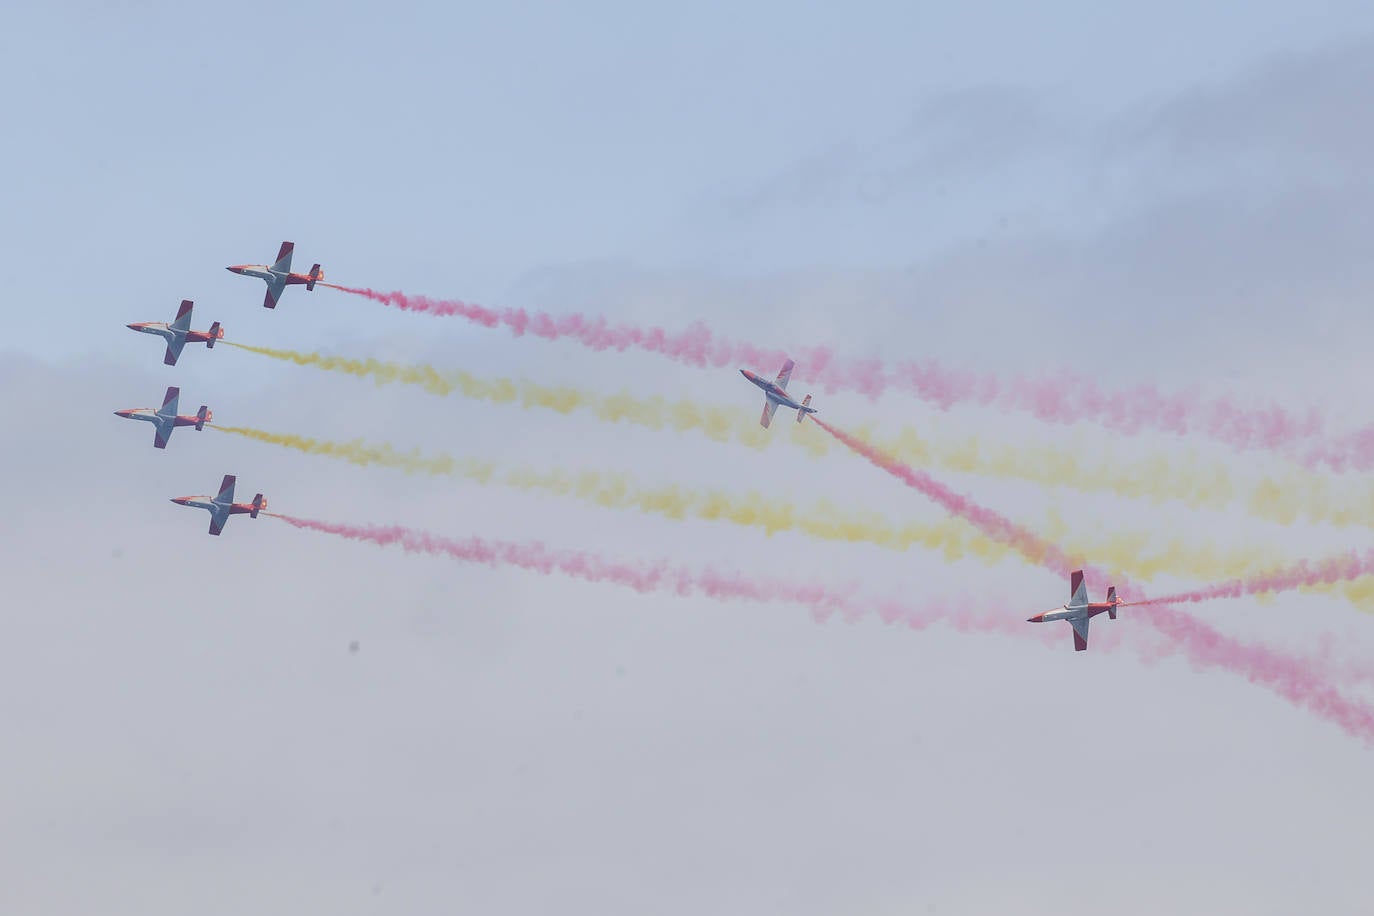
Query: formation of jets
(278, 276)
(178, 334)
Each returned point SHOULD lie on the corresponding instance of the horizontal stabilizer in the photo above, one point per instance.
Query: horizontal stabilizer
(315, 274)
(215, 333)
(203, 416)
(259, 503)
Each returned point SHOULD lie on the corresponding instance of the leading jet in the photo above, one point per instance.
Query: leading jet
(165, 417)
(279, 276)
(222, 506)
(178, 334)
(1079, 611)
(775, 393)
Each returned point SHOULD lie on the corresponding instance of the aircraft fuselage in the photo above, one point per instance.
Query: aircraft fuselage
(771, 390)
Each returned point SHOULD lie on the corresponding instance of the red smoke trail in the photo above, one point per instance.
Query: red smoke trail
(959, 613)
(1056, 399)
(1341, 568)
(998, 527)
(659, 576)
(1297, 680)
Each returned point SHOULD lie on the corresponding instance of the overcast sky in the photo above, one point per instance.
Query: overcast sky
(279, 721)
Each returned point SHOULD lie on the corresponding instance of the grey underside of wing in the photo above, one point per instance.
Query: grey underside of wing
(769, 406)
(1080, 626)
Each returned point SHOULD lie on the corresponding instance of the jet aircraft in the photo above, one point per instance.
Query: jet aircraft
(165, 417)
(178, 334)
(279, 276)
(222, 506)
(775, 393)
(1079, 611)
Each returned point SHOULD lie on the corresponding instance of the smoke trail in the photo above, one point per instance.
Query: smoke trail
(952, 537)
(720, 424)
(998, 527)
(1283, 499)
(1297, 680)
(1055, 399)
(648, 577)
(1302, 574)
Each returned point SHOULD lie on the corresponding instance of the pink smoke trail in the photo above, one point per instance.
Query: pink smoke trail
(1297, 680)
(651, 577)
(824, 602)
(1057, 399)
(1340, 568)
(998, 527)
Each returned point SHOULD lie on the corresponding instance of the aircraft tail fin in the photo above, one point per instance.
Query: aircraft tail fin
(805, 408)
(283, 263)
(316, 274)
(215, 333)
(203, 416)
(259, 503)
(1111, 599)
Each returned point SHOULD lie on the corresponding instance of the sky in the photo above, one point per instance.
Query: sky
(279, 720)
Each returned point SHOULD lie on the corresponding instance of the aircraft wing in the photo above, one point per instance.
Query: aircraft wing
(163, 434)
(1078, 589)
(784, 376)
(1080, 632)
(183, 319)
(274, 290)
(174, 345)
(768, 407)
(169, 402)
(226, 490)
(283, 264)
(217, 522)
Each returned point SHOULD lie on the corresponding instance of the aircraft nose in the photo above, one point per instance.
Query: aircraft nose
(121, 413)
(744, 372)
(131, 327)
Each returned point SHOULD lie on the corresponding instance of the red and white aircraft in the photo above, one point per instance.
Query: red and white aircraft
(165, 417)
(279, 276)
(1080, 610)
(222, 505)
(775, 393)
(178, 334)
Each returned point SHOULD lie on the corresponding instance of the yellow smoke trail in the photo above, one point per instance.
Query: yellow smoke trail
(1285, 499)
(1139, 554)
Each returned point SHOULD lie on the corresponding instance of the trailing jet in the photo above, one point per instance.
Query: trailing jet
(775, 393)
(1079, 611)
(279, 276)
(165, 417)
(222, 506)
(178, 334)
